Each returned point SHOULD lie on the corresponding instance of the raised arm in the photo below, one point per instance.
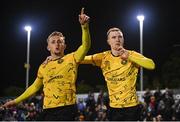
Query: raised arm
(86, 40)
(29, 92)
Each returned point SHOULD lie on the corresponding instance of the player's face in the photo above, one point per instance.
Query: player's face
(56, 45)
(115, 39)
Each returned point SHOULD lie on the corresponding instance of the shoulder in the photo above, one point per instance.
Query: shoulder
(101, 54)
(104, 53)
(69, 54)
(42, 66)
(69, 57)
(132, 52)
(107, 52)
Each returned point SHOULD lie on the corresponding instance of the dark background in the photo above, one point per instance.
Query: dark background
(160, 34)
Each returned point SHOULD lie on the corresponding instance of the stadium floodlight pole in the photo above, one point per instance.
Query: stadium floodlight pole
(141, 19)
(27, 65)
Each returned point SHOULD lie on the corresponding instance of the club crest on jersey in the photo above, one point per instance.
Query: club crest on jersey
(123, 62)
(60, 61)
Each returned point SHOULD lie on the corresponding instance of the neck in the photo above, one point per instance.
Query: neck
(115, 52)
(56, 56)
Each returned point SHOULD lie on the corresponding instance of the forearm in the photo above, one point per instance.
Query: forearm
(86, 43)
(142, 61)
(29, 91)
(87, 60)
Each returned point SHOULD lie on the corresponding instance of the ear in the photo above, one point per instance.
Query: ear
(48, 48)
(108, 42)
(64, 46)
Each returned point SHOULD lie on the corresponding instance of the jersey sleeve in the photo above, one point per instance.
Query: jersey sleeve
(141, 60)
(38, 83)
(86, 43)
(95, 59)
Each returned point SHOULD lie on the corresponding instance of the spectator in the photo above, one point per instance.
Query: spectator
(100, 97)
(147, 96)
(80, 105)
(158, 95)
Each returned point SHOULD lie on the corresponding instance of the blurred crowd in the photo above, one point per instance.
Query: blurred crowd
(160, 106)
(156, 106)
(27, 110)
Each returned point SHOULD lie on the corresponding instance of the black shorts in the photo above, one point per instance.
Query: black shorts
(124, 114)
(63, 113)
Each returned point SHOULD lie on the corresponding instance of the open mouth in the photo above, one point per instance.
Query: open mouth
(57, 48)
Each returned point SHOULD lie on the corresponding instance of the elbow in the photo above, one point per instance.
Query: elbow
(151, 66)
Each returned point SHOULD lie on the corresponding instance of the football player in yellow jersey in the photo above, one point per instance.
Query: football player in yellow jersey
(120, 68)
(58, 76)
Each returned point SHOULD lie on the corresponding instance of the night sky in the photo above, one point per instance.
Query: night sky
(160, 34)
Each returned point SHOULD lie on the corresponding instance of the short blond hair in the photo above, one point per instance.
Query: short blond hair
(55, 33)
(113, 29)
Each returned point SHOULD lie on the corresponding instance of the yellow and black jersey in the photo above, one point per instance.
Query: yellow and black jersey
(120, 76)
(59, 78)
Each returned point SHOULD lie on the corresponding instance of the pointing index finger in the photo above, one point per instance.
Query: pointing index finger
(82, 11)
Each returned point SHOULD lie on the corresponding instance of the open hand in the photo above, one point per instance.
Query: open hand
(9, 104)
(48, 59)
